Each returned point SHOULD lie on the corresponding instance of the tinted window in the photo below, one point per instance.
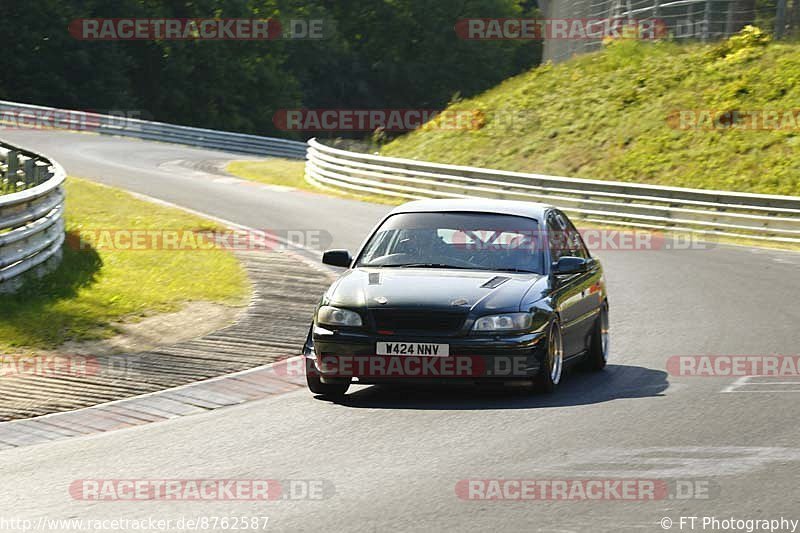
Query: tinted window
(577, 247)
(557, 237)
(563, 238)
(456, 240)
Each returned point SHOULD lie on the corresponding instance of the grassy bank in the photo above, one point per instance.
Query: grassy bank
(274, 171)
(291, 173)
(615, 115)
(93, 288)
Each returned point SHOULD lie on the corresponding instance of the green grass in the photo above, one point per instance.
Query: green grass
(610, 115)
(291, 173)
(92, 288)
(605, 116)
(275, 171)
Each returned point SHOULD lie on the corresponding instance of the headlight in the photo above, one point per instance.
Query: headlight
(333, 316)
(506, 322)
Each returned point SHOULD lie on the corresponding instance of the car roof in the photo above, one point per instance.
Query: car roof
(476, 205)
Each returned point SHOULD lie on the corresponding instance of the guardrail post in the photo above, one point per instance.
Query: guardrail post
(28, 172)
(12, 166)
(38, 173)
(13, 161)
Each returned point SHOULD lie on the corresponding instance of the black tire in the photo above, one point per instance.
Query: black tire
(597, 357)
(553, 365)
(327, 390)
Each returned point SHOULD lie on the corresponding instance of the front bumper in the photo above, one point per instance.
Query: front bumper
(501, 358)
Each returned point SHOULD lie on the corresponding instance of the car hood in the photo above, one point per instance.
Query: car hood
(431, 289)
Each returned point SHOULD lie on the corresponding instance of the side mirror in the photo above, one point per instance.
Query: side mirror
(337, 258)
(570, 265)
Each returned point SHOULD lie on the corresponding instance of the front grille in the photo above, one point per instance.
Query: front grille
(399, 320)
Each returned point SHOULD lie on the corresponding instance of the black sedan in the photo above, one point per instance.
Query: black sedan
(475, 291)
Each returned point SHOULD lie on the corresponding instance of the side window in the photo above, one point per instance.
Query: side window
(557, 237)
(564, 239)
(577, 247)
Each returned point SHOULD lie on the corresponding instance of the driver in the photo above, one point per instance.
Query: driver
(423, 244)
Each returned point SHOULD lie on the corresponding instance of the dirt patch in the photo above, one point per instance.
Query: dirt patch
(194, 320)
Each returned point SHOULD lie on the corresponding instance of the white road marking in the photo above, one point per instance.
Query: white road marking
(744, 384)
(232, 181)
(276, 188)
(767, 391)
(736, 384)
(673, 462)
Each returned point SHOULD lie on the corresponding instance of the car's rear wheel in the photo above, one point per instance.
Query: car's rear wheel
(597, 357)
(553, 364)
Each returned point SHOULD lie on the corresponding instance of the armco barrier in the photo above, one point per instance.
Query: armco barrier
(31, 211)
(704, 212)
(42, 117)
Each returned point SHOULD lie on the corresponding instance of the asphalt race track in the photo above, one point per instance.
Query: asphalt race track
(392, 459)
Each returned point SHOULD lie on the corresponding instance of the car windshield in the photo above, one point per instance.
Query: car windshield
(478, 241)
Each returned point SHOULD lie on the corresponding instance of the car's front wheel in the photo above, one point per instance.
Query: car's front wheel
(553, 364)
(328, 390)
(313, 378)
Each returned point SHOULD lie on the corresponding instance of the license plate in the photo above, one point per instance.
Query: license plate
(419, 349)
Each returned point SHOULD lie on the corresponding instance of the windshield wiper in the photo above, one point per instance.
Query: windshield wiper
(456, 267)
(522, 270)
(430, 265)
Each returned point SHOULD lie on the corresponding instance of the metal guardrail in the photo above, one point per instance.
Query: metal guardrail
(704, 212)
(31, 209)
(43, 117)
